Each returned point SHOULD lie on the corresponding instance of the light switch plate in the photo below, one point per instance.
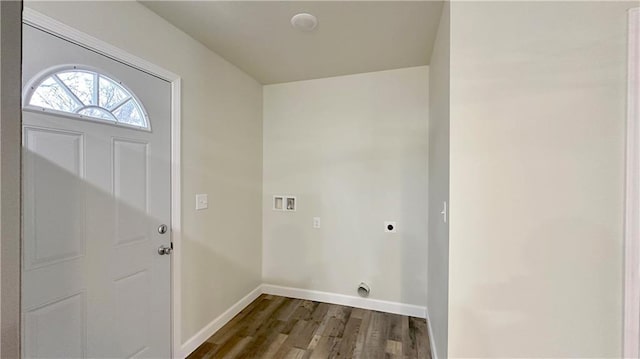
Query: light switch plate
(316, 222)
(202, 201)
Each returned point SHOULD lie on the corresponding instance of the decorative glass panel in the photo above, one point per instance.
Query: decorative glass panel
(81, 84)
(90, 94)
(97, 112)
(129, 113)
(51, 94)
(111, 94)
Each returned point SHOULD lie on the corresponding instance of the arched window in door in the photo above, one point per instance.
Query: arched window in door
(87, 94)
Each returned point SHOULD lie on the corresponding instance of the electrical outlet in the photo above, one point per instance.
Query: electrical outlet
(202, 201)
(316, 222)
(390, 227)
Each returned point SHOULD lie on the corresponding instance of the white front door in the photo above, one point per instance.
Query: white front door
(96, 189)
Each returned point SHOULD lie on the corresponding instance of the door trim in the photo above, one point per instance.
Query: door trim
(632, 195)
(57, 28)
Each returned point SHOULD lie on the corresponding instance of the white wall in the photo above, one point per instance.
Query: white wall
(438, 289)
(10, 149)
(537, 161)
(221, 152)
(353, 149)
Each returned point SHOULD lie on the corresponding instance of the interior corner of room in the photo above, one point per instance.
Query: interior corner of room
(459, 162)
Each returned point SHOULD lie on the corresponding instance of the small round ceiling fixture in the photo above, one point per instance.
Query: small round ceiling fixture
(304, 22)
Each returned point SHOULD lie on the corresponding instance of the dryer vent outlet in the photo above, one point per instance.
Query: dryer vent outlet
(363, 290)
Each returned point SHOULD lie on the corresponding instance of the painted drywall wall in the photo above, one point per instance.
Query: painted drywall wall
(438, 283)
(537, 162)
(10, 149)
(353, 150)
(221, 152)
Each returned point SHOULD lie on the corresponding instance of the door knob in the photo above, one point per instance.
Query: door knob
(162, 229)
(164, 250)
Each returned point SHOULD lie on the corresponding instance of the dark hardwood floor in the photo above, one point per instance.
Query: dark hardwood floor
(278, 327)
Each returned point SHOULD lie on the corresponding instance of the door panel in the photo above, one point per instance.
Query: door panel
(130, 190)
(55, 159)
(93, 283)
(65, 315)
(132, 312)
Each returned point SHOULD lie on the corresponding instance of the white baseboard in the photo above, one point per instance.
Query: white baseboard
(195, 341)
(341, 299)
(432, 344)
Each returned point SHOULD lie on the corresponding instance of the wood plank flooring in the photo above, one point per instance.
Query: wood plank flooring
(279, 327)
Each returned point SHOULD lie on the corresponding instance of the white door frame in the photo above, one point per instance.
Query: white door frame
(632, 195)
(55, 27)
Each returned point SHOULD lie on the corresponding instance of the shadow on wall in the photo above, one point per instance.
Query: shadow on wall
(412, 203)
(76, 204)
(219, 293)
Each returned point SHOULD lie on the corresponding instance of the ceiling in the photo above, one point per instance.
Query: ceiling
(351, 37)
